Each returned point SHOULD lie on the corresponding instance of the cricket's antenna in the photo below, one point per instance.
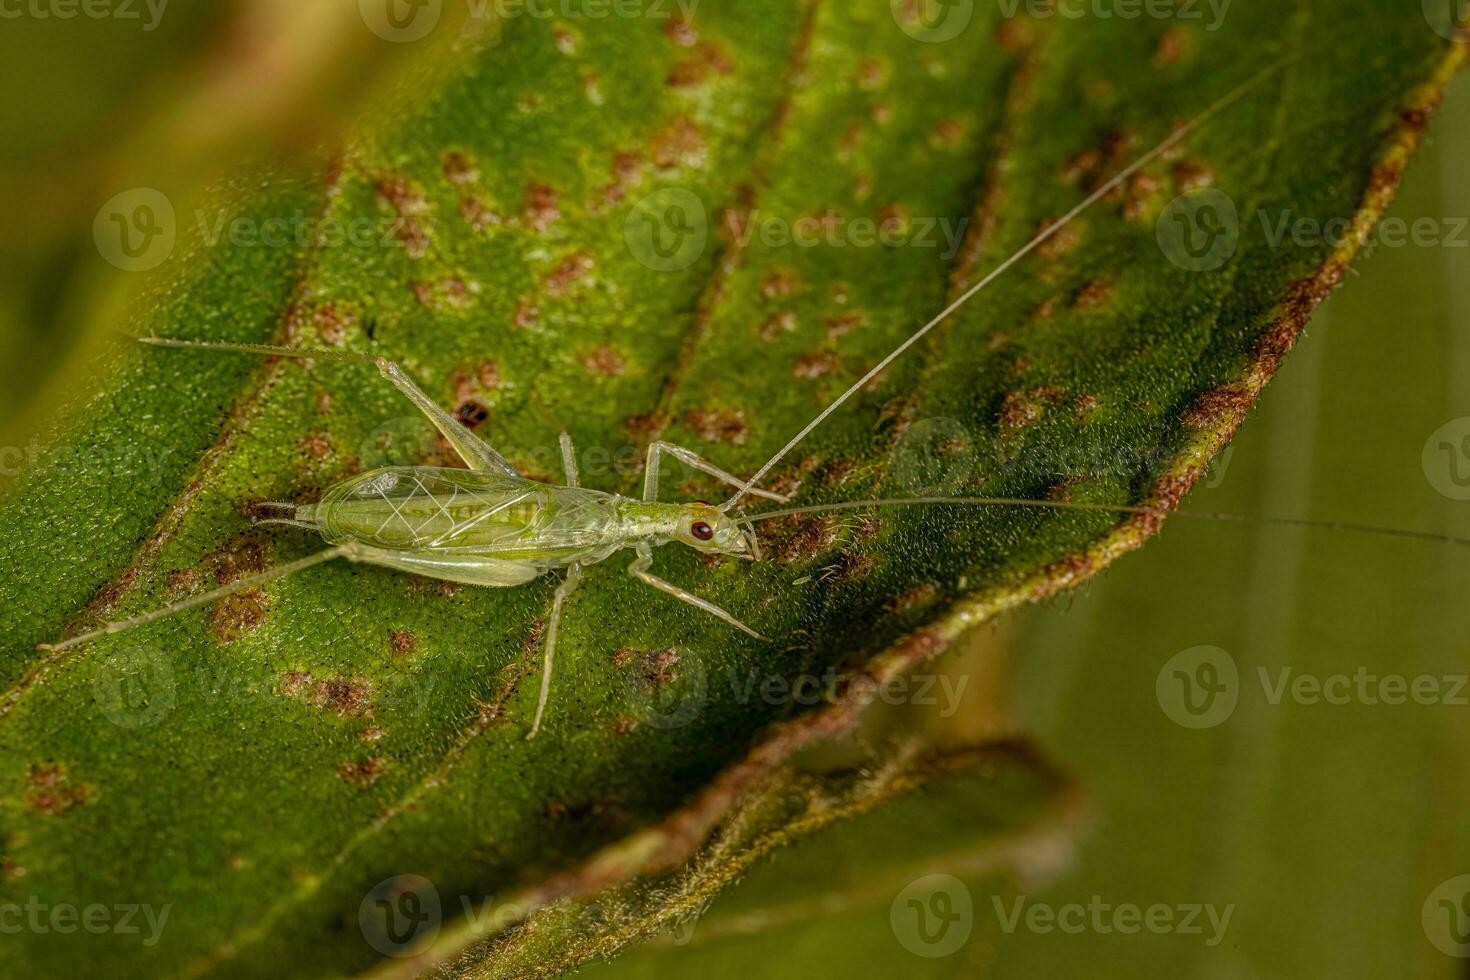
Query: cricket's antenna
(1372, 529)
(1020, 253)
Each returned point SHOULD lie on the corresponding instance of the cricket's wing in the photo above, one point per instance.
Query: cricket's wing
(414, 508)
(493, 573)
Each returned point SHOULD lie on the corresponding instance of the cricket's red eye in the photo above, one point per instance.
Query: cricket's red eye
(701, 530)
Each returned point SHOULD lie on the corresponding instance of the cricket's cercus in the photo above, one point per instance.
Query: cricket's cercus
(489, 526)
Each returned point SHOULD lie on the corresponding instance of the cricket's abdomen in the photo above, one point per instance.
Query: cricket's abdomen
(432, 509)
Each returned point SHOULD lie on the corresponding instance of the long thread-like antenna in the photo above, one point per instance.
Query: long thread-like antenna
(1052, 229)
(1373, 529)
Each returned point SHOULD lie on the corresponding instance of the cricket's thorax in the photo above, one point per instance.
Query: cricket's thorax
(463, 512)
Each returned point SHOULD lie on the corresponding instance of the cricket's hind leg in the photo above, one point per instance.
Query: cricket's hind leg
(658, 449)
(477, 454)
(194, 602)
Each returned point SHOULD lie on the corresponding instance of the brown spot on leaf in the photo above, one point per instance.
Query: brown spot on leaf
(459, 169)
(317, 445)
(564, 39)
(346, 697)
(947, 135)
(681, 30)
(893, 219)
(410, 204)
(841, 326)
(1094, 294)
(364, 772)
(1064, 240)
(1172, 47)
(404, 642)
(477, 214)
(777, 324)
(815, 365)
(526, 315)
(802, 537)
(707, 59)
(51, 791)
(1024, 408)
(681, 143)
(237, 559)
(872, 74)
(571, 270)
(1191, 175)
(605, 360)
(725, 425)
(1014, 34)
(780, 284)
(236, 616)
(1085, 406)
(541, 207)
(330, 324)
(627, 172)
(1138, 195)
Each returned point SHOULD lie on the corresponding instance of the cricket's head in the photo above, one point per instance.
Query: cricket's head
(706, 528)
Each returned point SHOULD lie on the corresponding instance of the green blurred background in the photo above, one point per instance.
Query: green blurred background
(1324, 826)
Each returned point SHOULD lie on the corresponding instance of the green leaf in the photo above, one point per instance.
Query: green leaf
(809, 870)
(260, 767)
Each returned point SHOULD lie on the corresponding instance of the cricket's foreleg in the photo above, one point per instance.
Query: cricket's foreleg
(193, 602)
(639, 569)
(694, 460)
(476, 453)
(574, 576)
